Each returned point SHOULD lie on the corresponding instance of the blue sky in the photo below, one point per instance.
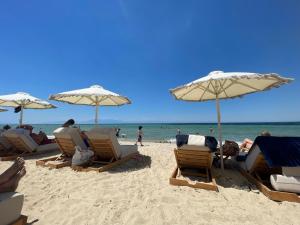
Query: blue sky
(141, 49)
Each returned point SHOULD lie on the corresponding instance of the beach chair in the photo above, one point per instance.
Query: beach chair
(193, 161)
(11, 204)
(107, 150)
(269, 178)
(67, 138)
(5, 146)
(23, 145)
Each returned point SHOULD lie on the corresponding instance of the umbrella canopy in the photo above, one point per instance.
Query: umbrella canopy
(220, 85)
(25, 101)
(94, 96)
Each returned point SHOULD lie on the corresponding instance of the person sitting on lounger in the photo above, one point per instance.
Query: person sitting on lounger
(10, 178)
(40, 138)
(6, 127)
(69, 123)
(247, 143)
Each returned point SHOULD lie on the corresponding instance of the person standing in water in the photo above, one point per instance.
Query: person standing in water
(140, 135)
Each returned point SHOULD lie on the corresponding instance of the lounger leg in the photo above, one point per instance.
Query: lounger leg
(207, 174)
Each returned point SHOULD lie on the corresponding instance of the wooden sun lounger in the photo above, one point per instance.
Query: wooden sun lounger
(20, 149)
(197, 160)
(22, 220)
(104, 150)
(67, 147)
(260, 174)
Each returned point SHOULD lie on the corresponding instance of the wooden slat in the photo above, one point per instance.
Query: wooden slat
(192, 152)
(210, 186)
(192, 158)
(103, 148)
(19, 144)
(66, 145)
(55, 162)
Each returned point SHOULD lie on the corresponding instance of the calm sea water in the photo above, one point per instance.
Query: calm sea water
(165, 132)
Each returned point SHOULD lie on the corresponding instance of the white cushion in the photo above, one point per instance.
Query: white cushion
(11, 204)
(106, 133)
(70, 133)
(291, 171)
(18, 131)
(252, 156)
(24, 135)
(284, 183)
(196, 140)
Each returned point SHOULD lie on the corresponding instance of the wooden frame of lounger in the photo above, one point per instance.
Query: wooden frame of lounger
(22, 220)
(20, 145)
(67, 147)
(193, 159)
(104, 149)
(261, 166)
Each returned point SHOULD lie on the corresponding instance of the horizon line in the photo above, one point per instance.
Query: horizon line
(56, 123)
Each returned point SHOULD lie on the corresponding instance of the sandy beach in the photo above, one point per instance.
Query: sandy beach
(138, 192)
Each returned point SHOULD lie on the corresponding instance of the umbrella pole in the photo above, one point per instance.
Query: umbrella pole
(220, 132)
(96, 116)
(21, 116)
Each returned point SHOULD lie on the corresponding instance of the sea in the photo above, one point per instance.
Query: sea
(166, 132)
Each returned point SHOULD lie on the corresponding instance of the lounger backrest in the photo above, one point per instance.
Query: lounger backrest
(255, 160)
(191, 156)
(104, 142)
(67, 138)
(4, 143)
(20, 140)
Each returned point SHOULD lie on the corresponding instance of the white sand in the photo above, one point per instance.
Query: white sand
(138, 192)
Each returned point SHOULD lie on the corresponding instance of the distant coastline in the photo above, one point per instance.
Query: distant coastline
(177, 123)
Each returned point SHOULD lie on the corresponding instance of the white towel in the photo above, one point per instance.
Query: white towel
(196, 140)
(81, 156)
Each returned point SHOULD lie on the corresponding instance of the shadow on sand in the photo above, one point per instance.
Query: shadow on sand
(43, 155)
(232, 178)
(136, 163)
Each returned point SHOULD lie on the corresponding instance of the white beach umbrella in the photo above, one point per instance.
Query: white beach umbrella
(220, 85)
(94, 96)
(25, 101)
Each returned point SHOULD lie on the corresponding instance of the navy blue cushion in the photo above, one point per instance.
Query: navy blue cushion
(211, 143)
(181, 139)
(280, 151)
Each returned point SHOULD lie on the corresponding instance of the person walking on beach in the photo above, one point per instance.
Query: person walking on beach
(140, 135)
(118, 132)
